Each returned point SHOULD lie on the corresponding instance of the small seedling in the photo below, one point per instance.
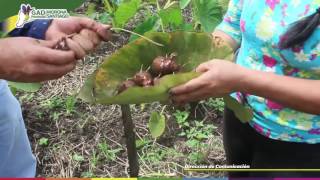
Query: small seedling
(43, 141)
(77, 157)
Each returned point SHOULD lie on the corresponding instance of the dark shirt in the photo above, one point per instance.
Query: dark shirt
(35, 29)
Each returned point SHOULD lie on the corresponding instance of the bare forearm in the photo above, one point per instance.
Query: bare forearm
(299, 94)
(226, 39)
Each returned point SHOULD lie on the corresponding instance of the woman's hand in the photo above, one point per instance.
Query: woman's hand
(218, 78)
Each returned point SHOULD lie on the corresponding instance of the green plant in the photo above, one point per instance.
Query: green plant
(43, 141)
(192, 130)
(118, 13)
(77, 157)
(157, 123)
(166, 17)
(55, 115)
(26, 97)
(39, 114)
(94, 159)
(52, 103)
(182, 118)
(142, 142)
(217, 104)
(87, 174)
(70, 103)
(154, 154)
(196, 157)
(196, 133)
(107, 152)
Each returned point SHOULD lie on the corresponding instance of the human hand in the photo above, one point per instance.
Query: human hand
(63, 27)
(84, 34)
(218, 78)
(26, 59)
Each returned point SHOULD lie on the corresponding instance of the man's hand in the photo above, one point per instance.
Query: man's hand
(89, 33)
(63, 27)
(29, 60)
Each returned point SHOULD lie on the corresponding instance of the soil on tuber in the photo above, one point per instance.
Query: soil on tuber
(165, 65)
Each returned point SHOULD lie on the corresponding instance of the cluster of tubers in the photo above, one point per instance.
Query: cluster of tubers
(160, 66)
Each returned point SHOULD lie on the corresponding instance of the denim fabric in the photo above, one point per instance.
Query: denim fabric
(16, 158)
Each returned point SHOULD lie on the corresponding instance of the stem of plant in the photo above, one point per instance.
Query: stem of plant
(169, 4)
(108, 7)
(164, 107)
(146, 38)
(130, 141)
(159, 9)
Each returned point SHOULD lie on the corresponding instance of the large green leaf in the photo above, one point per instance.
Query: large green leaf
(243, 113)
(208, 13)
(157, 124)
(184, 3)
(126, 11)
(144, 27)
(27, 87)
(192, 49)
(171, 16)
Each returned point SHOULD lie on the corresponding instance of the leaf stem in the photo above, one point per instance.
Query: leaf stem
(169, 4)
(108, 7)
(164, 107)
(144, 37)
(160, 19)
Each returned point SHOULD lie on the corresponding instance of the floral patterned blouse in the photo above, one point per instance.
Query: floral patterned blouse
(258, 25)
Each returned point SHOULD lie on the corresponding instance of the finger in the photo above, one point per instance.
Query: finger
(102, 30)
(50, 72)
(56, 57)
(59, 71)
(204, 67)
(76, 48)
(178, 104)
(91, 35)
(190, 86)
(86, 44)
(48, 44)
(191, 97)
(44, 72)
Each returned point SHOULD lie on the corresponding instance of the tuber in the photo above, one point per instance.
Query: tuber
(143, 78)
(160, 66)
(125, 85)
(165, 65)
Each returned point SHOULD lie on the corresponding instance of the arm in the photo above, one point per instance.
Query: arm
(226, 39)
(299, 94)
(228, 31)
(220, 78)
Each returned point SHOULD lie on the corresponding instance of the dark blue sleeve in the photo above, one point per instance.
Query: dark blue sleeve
(35, 29)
